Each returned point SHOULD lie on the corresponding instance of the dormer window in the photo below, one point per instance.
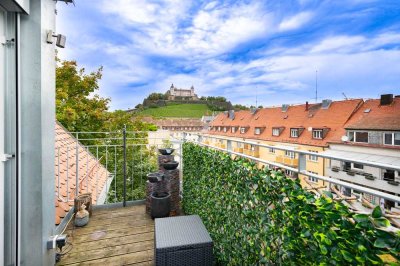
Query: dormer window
(258, 130)
(233, 129)
(219, 128)
(242, 130)
(317, 134)
(294, 132)
(275, 132)
(225, 129)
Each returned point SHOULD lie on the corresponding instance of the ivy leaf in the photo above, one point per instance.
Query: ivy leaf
(361, 218)
(347, 255)
(381, 243)
(377, 212)
(381, 222)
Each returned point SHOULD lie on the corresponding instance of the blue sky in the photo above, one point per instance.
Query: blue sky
(237, 49)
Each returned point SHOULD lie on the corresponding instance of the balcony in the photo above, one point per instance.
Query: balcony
(233, 209)
(252, 153)
(239, 150)
(287, 161)
(363, 178)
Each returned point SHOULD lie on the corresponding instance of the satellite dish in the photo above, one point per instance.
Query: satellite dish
(310, 129)
(345, 138)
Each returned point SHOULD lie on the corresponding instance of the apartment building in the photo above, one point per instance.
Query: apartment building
(372, 135)
(305, 127)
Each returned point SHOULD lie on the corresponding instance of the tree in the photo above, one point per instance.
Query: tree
(78, 108)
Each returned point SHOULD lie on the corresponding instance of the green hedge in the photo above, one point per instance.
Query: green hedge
(258, 216)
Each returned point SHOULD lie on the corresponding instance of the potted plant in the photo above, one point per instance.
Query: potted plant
(160, 204)
(351, 172)
(335, 169)
(167, 150)
(82, 217)
(394, 183)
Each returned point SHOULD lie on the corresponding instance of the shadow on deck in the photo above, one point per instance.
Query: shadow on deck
(118, 236)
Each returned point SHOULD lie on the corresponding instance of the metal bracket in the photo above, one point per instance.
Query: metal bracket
(6, 157)
(6, 42)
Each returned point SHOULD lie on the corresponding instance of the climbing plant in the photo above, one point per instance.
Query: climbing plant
(258, 216)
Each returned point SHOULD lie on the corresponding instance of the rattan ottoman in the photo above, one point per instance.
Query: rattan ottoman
(182, 240)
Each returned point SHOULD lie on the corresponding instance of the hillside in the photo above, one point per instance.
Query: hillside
(178, 110)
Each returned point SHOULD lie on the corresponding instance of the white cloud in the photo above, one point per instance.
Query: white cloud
(296, 21)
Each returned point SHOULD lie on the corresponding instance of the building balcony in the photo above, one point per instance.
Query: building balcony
(287, 161)
(239, 150)
(363, 179)
(253, 153)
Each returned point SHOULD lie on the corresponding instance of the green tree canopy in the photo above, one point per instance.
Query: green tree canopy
(78, 107)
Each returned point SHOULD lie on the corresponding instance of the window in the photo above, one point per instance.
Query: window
(388, 175)
(233, 129)
(311, 178)
(257, 131)
(294, 132)
(271, 150)
(242, 130)
(225, 129)
(275, 132)
(289, 173)
(358, 136)
(358, 166)
(312, 157)
(392, 139)
(317, 134)
(290, 154)
(219, 128)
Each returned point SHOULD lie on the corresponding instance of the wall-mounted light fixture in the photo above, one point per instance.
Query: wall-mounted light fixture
(61, 39)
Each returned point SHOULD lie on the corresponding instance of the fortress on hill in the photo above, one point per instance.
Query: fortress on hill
(181, 94)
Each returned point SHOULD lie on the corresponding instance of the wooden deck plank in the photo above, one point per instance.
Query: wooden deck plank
(124, 240)
(120, 236)
(126, 259)
(102, 253)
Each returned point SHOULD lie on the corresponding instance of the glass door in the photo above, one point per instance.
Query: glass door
(2, 90)
(8, 139)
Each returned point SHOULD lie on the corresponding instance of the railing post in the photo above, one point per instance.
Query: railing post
(77, 166)
(124, 167)
(302, 162)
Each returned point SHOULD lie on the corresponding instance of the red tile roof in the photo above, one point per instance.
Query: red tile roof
(90, 172)
(332, 119)
(379, 117)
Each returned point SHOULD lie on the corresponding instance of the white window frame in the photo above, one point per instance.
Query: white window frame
(393, 138)
(242, 130)
(312, 157)
(317, 134)
(294, 132)
(289, 172)
(257, 131)
(219, 128)
(233, 129)
(276, 132)
(225, 129)
(290, 154)
(354, 132)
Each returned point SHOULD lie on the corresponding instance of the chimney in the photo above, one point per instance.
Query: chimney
(307, 106)
(253, 110)
(231, 114)
(386, 99)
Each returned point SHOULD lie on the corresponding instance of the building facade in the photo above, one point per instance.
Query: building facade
(372, 135)
(181, 94)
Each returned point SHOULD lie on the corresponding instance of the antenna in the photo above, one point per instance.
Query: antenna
(256, 95)
(345, 97)
(316, 86)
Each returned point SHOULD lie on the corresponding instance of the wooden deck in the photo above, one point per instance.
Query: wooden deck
(120, 236)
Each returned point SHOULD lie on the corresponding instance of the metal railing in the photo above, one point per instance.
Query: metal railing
(301, 163)
(111, 165)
